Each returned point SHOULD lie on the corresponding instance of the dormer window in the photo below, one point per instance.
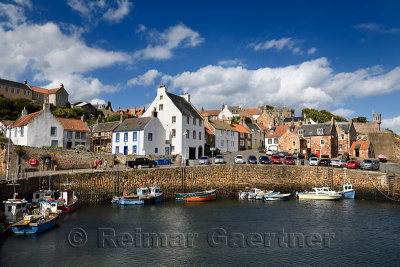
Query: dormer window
(161, 97)
(320, 131)
(272, 131)
(300, 132)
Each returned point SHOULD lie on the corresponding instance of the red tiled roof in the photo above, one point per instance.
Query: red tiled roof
(25, 120)
(240, 128)
(7, 122)
(364, 145)
(209, 112)
(278, 132)
(252, 111)
(208, 131)
(44, 91)
(139, 111)
(262, 127)
(72, 124)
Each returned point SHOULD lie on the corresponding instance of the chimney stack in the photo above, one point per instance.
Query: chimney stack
(83, 118)
(25, 82)
(24, 112)
(186, 96)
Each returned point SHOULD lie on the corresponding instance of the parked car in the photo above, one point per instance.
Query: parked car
(313, 161)
(264, 160)
(289, 160)
(353, 164)
(339, 163)
(325, 162)
(370, 164)
(298, 155)
(252, 160)
(141, 162)
(219, 159)
(239, 159)
(276, 159)
(204, 160)
(312, 155)
(269, 152)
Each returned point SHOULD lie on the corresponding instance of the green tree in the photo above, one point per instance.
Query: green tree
(360, 119)
(111, 118)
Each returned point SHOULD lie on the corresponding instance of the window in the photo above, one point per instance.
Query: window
(340, 148)
(232, 133)
(300, 132)
(134, 150)
(241, 143)
(54, 143)
(194, 134)
(220, 132)
(15, 132)
(172, 149)
(160, 107)
(156, 150)
(187, 119)
(242, 135)
(22, 131)
(125, 137)
(269, 141)
(77, 135)
(83, 135)
(199, 135)
(232, 143)
(248, 143)
(194, 121)
(24, 92)
(342, 136)
(134, 136)
(28, 92)
(116, 149)
(272, 131)
(17, 91)
(187, 134)
(322, 142)
(173, 119)
(294, 143)
(275, 140)
(173, 133)
(255, 141)
(150, 136)
(320, 131)
(248, 135)
(222, 142)
(53, 131)
(12, 90)
(199, 122)
(117, 137)
(69, 134)
(6, 89)
(161, 97)
(308, 142)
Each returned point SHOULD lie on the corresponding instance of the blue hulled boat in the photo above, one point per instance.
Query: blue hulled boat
(348, 191)
(143, 196)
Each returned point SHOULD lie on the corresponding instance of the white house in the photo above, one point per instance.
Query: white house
(184, 127)
(226, 113)
(226, 136)
(273, 135)
(140, 136)
(37, 129)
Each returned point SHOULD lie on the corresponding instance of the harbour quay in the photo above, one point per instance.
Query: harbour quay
(228, 180)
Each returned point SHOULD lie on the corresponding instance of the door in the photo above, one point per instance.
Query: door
(318, 153)
(192, 153)
(357, 153)
(200, 154)
(69, 145)
(125, 150)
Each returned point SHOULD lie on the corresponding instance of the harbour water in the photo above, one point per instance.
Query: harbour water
(222, 232)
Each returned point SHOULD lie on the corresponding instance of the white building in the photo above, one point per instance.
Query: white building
(226, 113)
(184, 127)
(140, 136)
(226, 136)
(37, 129)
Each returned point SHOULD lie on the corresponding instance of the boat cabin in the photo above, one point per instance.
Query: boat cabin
(155, 190)
(48, 206)
(348, 187)
(14, 209)
(142, 191)
(41, 195)
(255, 191)
(67, 196)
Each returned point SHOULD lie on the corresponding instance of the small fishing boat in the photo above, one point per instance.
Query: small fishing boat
(277, 196)
(143, 196)
(155, 192)
(182, 196)
(67, 200)
(14, 209)
(348, 191)
(46, 219)
(204, 197)
(41, 195)
(320, 193)
(253, 193)
(262, 194)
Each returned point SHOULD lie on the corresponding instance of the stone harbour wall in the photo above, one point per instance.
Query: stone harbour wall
(101, 186)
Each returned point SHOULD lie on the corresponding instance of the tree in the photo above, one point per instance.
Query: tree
(112, 118)
(340, 119)
(360, 119)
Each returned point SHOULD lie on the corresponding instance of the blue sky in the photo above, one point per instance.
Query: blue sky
(336, 55)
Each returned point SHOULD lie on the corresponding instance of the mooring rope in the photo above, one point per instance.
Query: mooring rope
(387, 196)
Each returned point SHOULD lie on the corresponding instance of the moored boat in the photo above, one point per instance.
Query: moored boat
(348, 191)
(155, 192)
(67, 200)
(277, 196)
(199, 198)
(143, 196)
(320, 193)
(14, 209)
(182, 196)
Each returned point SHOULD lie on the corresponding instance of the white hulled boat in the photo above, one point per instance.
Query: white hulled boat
(320, 193)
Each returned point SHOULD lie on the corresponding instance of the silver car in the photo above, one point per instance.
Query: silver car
(204, 160)
(339, 163)
(314, 161)
(219, 159)
(370, 164)
(239, 159)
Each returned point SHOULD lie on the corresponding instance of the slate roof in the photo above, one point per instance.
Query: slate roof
(72, 124)
(185, 107)
(134, 124)
(311, 129)
(234, 110)
(295, 119)
(253, 126)
(105, 126)
(14, 84)
(344, 126)
(222, 126)
(25, 120)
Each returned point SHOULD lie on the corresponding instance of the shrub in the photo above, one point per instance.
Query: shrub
(80, 148)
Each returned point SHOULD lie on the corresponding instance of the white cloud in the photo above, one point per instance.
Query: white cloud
(311, 51)
(13, 14)
(172, 38)
(230, 62)
(145, 79)
(283, 43)
(393, 124)
(343, 112)
(93, 11)
(97, 101)
(377, 28)
(310, 84)
(26, 3)
(140, 28)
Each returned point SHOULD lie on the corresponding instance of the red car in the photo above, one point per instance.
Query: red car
(275, 159)
(353, 164)
(289, 160)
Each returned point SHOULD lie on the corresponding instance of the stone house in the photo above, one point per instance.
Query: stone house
(244, 137)
(210, 114)
(57, 96)
(257, 135)
(321, 138)
(297, 121)
(89, 108)
(362, 149)
(292, 142)
(346, 136)
(282, 113)
(267, 119)
(184, 127)
(226, 137)
(75, 132)
(102, 136)
(272, 137)
(139, 136)
(14, 90)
